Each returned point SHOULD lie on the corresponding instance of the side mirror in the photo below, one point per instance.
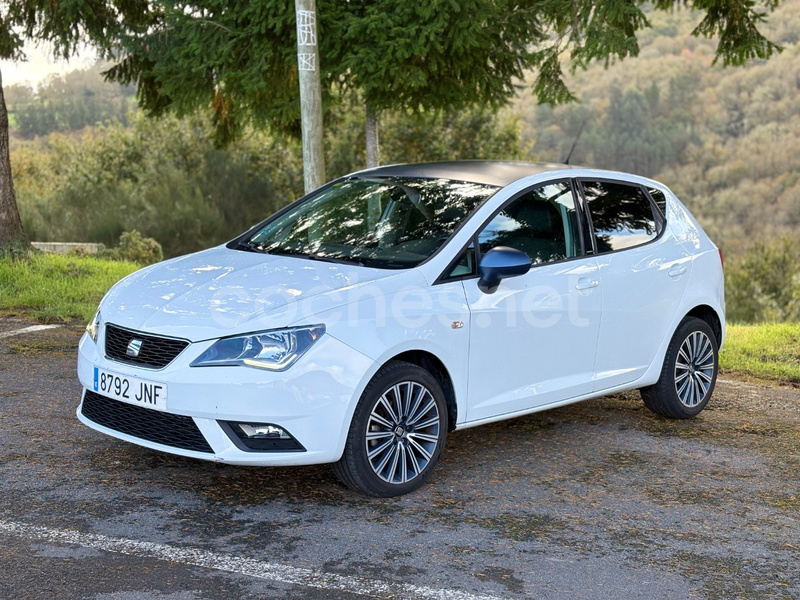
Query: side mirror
(499, 263)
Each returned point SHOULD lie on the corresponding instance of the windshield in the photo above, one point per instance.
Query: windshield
(390, 223)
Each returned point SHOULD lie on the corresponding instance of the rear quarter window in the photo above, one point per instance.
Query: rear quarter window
(660, 199)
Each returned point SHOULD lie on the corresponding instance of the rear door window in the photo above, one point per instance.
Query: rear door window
(621, 214)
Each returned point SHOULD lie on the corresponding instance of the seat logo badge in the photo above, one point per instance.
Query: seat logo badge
(134, 347)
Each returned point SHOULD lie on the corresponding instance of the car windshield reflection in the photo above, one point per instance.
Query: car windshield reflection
(390, 223)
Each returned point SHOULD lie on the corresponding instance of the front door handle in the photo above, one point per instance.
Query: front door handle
(584, 283)
(676, 272)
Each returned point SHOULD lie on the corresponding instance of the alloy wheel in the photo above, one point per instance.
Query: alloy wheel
(694, 369)
(402, 432)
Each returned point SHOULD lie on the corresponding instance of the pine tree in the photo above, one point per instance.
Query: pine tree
(236, 58)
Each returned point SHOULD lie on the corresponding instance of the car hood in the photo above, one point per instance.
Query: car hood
(220, 292)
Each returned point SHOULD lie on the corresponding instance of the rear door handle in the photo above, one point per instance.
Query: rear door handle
(677, 272)
(584, 283)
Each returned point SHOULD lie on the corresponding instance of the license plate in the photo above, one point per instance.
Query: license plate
(130, 389)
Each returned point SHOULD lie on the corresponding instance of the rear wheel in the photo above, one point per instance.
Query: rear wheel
(397, 433)
(689, 372)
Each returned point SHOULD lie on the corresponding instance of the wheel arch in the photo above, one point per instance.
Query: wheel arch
(710, 316)
(434, 366)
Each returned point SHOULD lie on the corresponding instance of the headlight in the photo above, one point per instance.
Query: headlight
(275, 350)
(93, 328)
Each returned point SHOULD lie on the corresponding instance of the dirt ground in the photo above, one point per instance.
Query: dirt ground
(600, 499)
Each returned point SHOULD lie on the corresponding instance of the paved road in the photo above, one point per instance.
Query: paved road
(598, 500)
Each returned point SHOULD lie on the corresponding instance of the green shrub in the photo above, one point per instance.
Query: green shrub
(163, 178)
(134, 248)
(764, 284)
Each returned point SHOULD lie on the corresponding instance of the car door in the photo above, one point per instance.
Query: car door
(643, 274)
(532, 340)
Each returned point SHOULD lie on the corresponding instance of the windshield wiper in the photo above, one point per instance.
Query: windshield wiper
(312, 256)
(250, 247)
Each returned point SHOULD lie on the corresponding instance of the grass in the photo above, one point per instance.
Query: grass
(766, 351)
(52, 288)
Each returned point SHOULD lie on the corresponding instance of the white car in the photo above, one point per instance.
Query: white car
(360, 324)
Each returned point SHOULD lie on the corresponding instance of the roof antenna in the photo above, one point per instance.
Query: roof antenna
(575, 143)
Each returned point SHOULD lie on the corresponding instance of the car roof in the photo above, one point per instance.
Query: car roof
(490, 172)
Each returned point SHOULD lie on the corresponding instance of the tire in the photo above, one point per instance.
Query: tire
(397, 433)
(688, 374)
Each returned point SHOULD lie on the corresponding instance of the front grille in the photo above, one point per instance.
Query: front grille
(177, 431)
(154, 353)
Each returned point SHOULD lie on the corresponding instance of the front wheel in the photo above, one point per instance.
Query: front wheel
(397, 433)
(689, 372)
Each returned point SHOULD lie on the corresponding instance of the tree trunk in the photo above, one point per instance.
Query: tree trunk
(310, 94)
(373, 148)
(12, 237)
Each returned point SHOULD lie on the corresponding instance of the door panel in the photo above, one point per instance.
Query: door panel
(643, 277)
(533, 341)
(642, 290)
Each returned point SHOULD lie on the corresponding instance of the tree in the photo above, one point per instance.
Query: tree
(165, 178)
(236, 57)
(66, 25)
(70, 102)
(12, 236)
(476, 133)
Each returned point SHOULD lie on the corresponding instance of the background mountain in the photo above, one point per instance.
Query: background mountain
(727, 141)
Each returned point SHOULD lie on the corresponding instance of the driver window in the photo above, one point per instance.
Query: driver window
(542, 223)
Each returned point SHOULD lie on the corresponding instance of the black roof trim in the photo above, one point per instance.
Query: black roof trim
(499, 173)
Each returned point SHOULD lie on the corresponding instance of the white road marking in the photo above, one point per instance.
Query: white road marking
(30, 329)
(234, 564)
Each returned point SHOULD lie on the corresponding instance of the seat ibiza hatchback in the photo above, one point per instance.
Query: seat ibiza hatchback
(360, 324)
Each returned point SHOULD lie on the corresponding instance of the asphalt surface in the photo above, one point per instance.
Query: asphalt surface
(597, 500)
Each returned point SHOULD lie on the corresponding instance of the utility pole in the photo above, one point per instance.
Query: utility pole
(310, 94)
(373, 148)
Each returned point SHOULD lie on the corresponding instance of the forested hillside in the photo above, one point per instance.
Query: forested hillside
(88, 167)
(79, 99)
(727, 141)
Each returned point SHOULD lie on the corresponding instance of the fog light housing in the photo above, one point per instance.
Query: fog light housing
(261, 437)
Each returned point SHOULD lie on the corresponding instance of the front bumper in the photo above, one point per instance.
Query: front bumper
(313, 400)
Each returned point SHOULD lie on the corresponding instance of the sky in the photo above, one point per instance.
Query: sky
(40, 65)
